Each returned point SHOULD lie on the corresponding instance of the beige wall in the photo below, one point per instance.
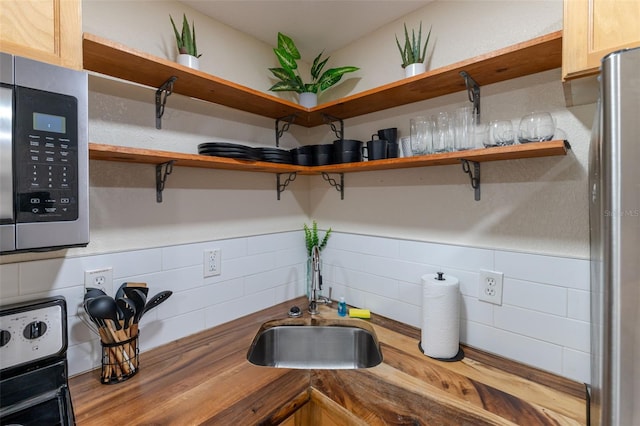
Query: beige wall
(534, 205)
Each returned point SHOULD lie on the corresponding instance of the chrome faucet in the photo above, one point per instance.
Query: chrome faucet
(316, 283)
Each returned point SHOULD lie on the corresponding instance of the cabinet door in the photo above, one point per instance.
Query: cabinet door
(593, 28)
(45, 30)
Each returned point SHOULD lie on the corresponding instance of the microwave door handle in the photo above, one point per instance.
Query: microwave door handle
(6, 155)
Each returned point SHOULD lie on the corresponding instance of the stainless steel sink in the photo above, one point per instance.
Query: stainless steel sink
(321, 345)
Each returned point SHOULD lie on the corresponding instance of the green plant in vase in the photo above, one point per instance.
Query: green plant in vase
(186, 41)
(412, 52)
(289, 75)
(312, 238)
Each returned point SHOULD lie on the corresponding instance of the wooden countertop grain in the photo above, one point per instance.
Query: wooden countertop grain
(206, 379)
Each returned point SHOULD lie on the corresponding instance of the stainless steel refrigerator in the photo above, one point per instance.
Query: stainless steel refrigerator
(614, 182)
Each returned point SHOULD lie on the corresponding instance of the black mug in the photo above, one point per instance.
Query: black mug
(376, 149)
(391, 135)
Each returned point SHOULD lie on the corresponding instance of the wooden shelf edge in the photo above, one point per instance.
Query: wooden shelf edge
(536, 55)
(116, 60)
(124, 154)
(148, 156)
(512, 152)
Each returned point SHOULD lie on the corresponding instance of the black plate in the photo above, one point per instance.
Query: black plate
(236, 155)
(223, 145)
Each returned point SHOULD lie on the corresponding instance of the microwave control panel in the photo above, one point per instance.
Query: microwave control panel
(46, 156)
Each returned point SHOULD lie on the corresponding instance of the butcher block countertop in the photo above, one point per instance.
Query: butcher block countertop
(206, 379)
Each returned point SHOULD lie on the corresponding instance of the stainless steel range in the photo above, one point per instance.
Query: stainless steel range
(34, 388)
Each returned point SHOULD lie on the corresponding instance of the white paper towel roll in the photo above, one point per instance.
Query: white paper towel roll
(440, 316)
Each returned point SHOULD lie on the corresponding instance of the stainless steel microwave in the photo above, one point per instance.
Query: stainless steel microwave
(44, 156)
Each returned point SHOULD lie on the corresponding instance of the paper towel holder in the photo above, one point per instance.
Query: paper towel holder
(458, 356)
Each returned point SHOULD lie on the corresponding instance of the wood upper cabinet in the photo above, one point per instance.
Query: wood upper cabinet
(594, 28)
(45, 30)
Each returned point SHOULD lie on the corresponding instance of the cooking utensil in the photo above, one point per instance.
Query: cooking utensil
(92, 292)
(104, 308)
(156, 300)
(127, 311)
(141, 286)
(120, 292)
(139, 300)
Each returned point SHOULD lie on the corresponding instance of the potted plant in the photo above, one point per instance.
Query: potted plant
(186, 41)
(289, 76)
(412, 55)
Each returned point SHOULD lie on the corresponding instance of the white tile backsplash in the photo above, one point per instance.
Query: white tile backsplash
(543, 321)
(561, 271)
(537, 297)
(544, 317)
(578, 304)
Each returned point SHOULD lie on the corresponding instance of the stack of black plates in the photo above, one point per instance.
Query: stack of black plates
(229, 150)
(275, 155)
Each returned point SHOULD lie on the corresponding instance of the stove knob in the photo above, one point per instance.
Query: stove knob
(34, 330)
(5, 336)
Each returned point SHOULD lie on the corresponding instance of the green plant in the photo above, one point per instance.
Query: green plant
(410, 52)
(289, 76)
(186, 40)
(312, 239)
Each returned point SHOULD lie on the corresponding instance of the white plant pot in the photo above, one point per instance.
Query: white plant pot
(414, 69)
(308, 99)
(189, 61)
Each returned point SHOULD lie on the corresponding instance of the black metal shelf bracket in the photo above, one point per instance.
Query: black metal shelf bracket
(281, 186)
(162, 171)
(473, 90)
(330, 120)
(473, 175)
(286, 123)
(338, 186)
(162, 94)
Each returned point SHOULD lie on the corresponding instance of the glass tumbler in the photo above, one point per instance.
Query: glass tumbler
(536, 127)
(421, 135)
(443, 138)
(405, 146)
(500, 133)
(480, 135)
(464, 120)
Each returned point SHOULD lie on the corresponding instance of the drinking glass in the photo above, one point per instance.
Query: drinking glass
(405, 145)
(421, 135)
(480, 135)
(443, 139)
(536, 127)
(464, 119)
(500, 133)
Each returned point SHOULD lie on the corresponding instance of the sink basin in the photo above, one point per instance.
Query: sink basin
(313, 344)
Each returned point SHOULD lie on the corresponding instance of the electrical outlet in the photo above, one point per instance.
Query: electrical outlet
(212, 262)
(99, 278)
(491, 287)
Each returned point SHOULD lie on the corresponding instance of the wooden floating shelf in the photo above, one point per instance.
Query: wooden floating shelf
(116, 60)
(147, 156)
